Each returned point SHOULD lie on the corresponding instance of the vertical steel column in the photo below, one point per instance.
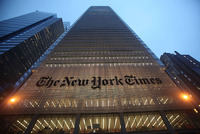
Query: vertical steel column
(121, 116)
(31, 124)
(76, 128)
(168, 125)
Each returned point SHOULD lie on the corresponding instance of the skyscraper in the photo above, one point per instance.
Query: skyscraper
(23, 40)
(101, 78)
(185, 71)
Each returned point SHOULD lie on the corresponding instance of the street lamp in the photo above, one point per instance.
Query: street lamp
(189, 98)
(12, 100)
(185, 97)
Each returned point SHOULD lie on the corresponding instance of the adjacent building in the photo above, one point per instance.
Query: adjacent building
(185, 71)
(100, 78)
(23, 40)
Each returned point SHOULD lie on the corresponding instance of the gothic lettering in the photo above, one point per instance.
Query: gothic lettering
(96, 82)
(42, 81)
(118, 81)
(129, 80)
(158, 81)
(144, 81)
(50, 82)
(152, 81)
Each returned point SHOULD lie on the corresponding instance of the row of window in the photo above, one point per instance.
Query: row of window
(98, 45)
(94, 58)
(101, 52)
(106, 102)
(98, 64)
(102, 123)
(191, 61)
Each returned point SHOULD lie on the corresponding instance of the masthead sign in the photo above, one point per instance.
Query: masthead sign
(96, 82)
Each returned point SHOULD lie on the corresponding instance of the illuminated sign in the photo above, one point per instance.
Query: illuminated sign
(96, 82)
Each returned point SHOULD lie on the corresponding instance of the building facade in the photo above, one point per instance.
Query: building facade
(185, 71)
(100, 78)
(23, 40)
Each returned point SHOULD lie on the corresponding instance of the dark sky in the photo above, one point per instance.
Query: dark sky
(165, 26)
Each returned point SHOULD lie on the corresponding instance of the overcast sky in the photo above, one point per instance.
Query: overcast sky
(164, 25)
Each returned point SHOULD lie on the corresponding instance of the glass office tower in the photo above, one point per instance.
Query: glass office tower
(100, 78)
(23, 40)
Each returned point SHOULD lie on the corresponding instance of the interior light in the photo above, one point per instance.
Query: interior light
(196, 111)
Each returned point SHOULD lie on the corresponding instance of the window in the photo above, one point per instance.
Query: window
(103, 123)
(143, 122)
(179, 120)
